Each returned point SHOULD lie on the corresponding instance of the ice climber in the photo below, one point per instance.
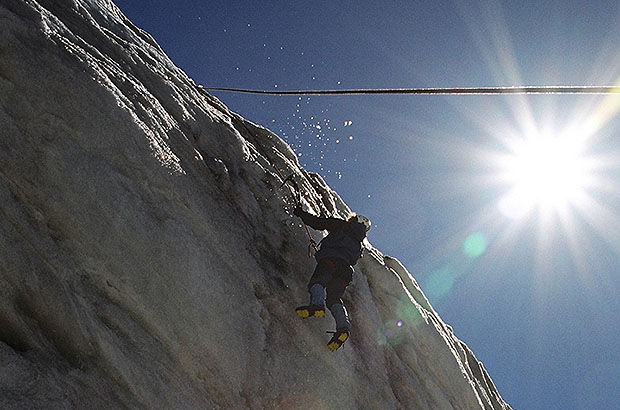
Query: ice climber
(338, 252)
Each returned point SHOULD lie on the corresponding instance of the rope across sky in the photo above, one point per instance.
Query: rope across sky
(580, 89)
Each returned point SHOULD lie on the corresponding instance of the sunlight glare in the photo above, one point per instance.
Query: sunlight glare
(544, 171)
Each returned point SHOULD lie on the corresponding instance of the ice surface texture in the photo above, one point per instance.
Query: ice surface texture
(149, 258)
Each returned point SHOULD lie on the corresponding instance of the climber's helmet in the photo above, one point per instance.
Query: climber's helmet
(361, 219)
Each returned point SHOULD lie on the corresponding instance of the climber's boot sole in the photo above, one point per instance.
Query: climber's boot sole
(340, 336)
(305, 312)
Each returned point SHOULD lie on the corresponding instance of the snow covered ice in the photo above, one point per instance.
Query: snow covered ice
(148, 256)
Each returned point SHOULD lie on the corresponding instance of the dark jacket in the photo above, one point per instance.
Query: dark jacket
(344, 240)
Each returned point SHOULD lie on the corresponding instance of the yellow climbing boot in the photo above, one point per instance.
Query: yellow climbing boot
(340, 336)
(310, 311)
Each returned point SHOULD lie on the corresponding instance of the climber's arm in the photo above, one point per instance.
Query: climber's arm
(318, 223)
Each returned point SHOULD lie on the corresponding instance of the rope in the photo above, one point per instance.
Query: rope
(427, 91)
(578, 89)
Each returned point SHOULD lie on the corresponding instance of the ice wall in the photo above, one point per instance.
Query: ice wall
(148, 257)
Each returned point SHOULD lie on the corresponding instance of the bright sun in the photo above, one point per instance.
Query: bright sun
(544, 172)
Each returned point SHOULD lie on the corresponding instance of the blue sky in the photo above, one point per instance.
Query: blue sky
(533, 290)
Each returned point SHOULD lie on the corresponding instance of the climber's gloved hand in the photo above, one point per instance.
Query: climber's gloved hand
(298, 211)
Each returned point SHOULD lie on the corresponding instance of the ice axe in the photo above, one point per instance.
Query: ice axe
(289, 180)
(297, 197)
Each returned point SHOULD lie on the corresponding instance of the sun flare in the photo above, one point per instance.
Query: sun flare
(543, 172)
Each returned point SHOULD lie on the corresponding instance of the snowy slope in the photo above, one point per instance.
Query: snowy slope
(148, 255)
